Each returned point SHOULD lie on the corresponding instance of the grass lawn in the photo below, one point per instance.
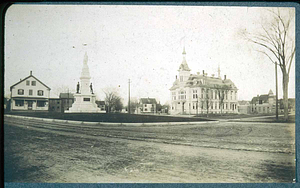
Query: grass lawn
(232, 116)
(113, 117)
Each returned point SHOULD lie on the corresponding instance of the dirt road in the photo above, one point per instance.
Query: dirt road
(37, 151)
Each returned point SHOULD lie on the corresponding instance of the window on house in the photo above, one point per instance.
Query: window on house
(41, 103)
(174, 95)
(260, 102)
(145, 105)
(33, 83)
(40, 92)
(19, 103)
(27, 82)
(145, 109)
(182, 95)
(57, 102)
(20, 91)
(30, 92)
(195, 95)
(86, 99)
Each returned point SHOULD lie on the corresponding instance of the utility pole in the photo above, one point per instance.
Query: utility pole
(276, 91)
(128, 96)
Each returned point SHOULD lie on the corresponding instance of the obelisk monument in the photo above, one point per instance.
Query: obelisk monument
(85, 99)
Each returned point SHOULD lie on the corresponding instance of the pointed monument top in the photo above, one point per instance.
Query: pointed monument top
(184, 51)
(85, 60)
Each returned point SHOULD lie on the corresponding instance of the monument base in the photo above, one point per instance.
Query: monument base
(84, 103)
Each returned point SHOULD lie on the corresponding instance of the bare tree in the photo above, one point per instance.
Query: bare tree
(205, 101)
(222, 91)
(112, 100)
(62, 89)
(277, 42)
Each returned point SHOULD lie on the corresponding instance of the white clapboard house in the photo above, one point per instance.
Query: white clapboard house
(29, 94)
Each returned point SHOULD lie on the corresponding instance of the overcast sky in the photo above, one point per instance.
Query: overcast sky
(141, 43)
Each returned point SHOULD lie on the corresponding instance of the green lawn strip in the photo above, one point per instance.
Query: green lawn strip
(113, 117)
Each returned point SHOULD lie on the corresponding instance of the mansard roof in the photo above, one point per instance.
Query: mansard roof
(205, 81)
(26, 79)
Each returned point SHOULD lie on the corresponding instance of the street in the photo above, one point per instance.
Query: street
(231, 152)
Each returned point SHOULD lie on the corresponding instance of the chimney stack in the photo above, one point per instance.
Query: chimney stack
(176, 77)
(224, 77)
(30, 73)
(203, 72)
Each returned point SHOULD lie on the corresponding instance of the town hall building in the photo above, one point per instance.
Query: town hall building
(201, 93)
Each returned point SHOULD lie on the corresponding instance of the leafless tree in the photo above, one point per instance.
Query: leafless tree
(112, 100)
(222, 91)
(205, 101)
(277, 42)
(62, 89)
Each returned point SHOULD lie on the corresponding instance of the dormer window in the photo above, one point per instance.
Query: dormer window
(20, 91)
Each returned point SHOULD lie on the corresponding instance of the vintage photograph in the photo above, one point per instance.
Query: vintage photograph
(103, 93)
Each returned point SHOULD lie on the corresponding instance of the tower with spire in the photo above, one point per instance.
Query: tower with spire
(85, 99)
(184, 70)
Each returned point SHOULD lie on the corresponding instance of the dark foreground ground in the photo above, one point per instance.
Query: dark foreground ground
(112, 117)
(37, 151)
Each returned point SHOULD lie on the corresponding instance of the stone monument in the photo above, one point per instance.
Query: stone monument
(85, 99)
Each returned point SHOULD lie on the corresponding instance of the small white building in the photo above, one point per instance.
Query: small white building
(30, 94)
(147, 105)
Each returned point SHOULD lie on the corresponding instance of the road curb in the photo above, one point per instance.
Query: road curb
(113, 124)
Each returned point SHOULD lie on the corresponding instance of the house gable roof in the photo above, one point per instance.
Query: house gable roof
(148, 101)
(26, 79)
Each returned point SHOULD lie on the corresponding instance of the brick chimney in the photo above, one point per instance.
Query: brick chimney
(30, 73)
(224, 77)
(203, 72)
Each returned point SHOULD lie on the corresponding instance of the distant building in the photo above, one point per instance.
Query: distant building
(67, 99)
(30, 94)
(291, 105)
(199, 93)
(263, 103)
(147, 105)
(61, 104)
(101, 105)
(55, 105)
(244, 107)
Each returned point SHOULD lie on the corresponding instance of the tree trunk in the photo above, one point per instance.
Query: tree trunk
(285, 85)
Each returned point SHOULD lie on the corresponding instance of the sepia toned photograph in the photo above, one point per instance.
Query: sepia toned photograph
(103, 93)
